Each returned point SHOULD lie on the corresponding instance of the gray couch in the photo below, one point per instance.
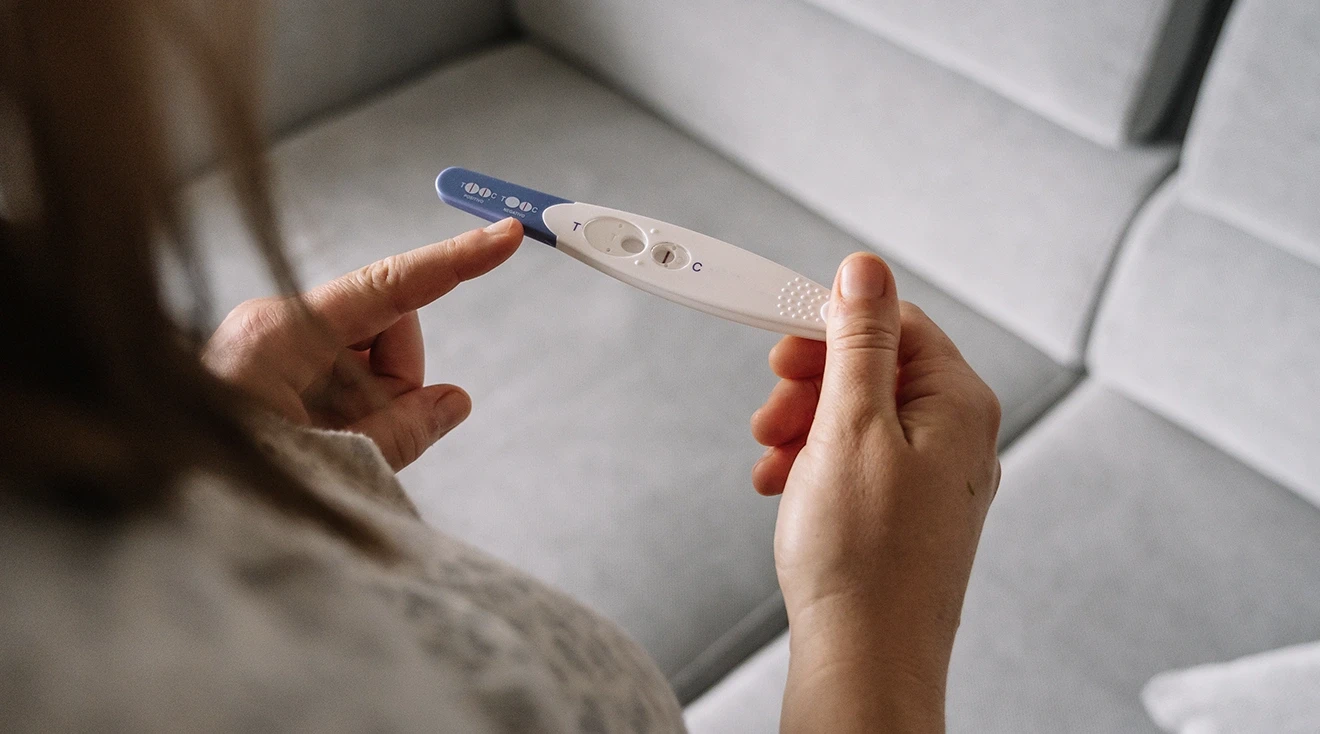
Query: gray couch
(1145, 303)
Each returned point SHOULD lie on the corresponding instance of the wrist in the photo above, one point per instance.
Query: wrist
(848, 697)
(858, 661)
(911, 629)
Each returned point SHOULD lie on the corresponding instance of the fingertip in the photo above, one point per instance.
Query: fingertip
(476, 252)
(787, 413)
(765, 479)
(864, 328)
(451, 406)
(864, 291)
(507, 232)
(770, 474)
(864, 276)
(413, 421)
(503, 226)
(762, 428)
(796, 358)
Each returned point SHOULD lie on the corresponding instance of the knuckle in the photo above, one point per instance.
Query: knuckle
(254, 320)
(981, 403)
(909, 311)
(392, 448)
(850, 424)
(418, 440)
(974, 404)
(866, 333)
(398, 445)
(994, 411)
(381, 276)
(381, 280)
(858, 425)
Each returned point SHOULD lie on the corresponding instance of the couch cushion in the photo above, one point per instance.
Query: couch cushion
(1220, 331)
(1119, 546)
(1005, 210)
(1214, 312)
(1253, 152)
(608, 451)
(1106, 70)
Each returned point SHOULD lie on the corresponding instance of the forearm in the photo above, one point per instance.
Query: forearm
(852, 671)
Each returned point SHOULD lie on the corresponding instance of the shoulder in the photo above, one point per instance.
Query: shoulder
(226, 611)
(225, 616)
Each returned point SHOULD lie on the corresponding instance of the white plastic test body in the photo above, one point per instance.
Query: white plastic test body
(669, 261)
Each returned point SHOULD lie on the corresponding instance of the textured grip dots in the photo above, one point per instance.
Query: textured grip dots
(801, 300)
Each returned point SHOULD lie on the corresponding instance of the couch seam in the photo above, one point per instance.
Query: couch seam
(1103, 286)
(699, 676)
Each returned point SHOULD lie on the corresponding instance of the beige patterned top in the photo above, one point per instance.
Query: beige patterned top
(225, 616)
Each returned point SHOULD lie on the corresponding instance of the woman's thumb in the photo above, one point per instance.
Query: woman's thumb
(414, 420)
(861, 362)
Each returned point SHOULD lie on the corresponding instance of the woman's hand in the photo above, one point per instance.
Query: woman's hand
(306, 374)
(883, 444)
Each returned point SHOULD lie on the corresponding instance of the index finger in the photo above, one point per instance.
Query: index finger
(369, 300)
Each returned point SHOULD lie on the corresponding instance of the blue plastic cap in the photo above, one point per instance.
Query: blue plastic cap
(492, 199)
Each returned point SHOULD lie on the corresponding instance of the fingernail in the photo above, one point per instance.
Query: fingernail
(501, 226)
(451, 409)
(863, 278)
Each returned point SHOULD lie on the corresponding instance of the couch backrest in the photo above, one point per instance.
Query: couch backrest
(1254, 156)
(1106, 70)
(1213, 316)
(1008, 211)
(327, 53)
(320, 55)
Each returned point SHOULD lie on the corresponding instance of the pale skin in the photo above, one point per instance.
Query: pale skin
(881, 441)
(268, 350)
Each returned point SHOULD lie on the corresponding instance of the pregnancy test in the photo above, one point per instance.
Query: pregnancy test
(664, 259)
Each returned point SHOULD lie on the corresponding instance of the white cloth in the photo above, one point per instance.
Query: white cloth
(1275, 692)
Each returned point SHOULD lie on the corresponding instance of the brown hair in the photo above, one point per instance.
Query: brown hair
(107, 406)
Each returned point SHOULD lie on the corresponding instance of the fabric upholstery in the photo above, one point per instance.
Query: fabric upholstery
(748, 699)
(1106, 70)
(1221, 332)
(1119, 546)
(608, 450)
(1253, 153)
(1004, 210)
(1213, 316)
(1254, 147)
(327, 53)
(320, 56)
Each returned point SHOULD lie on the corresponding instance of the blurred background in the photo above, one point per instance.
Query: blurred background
(1112, 207)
